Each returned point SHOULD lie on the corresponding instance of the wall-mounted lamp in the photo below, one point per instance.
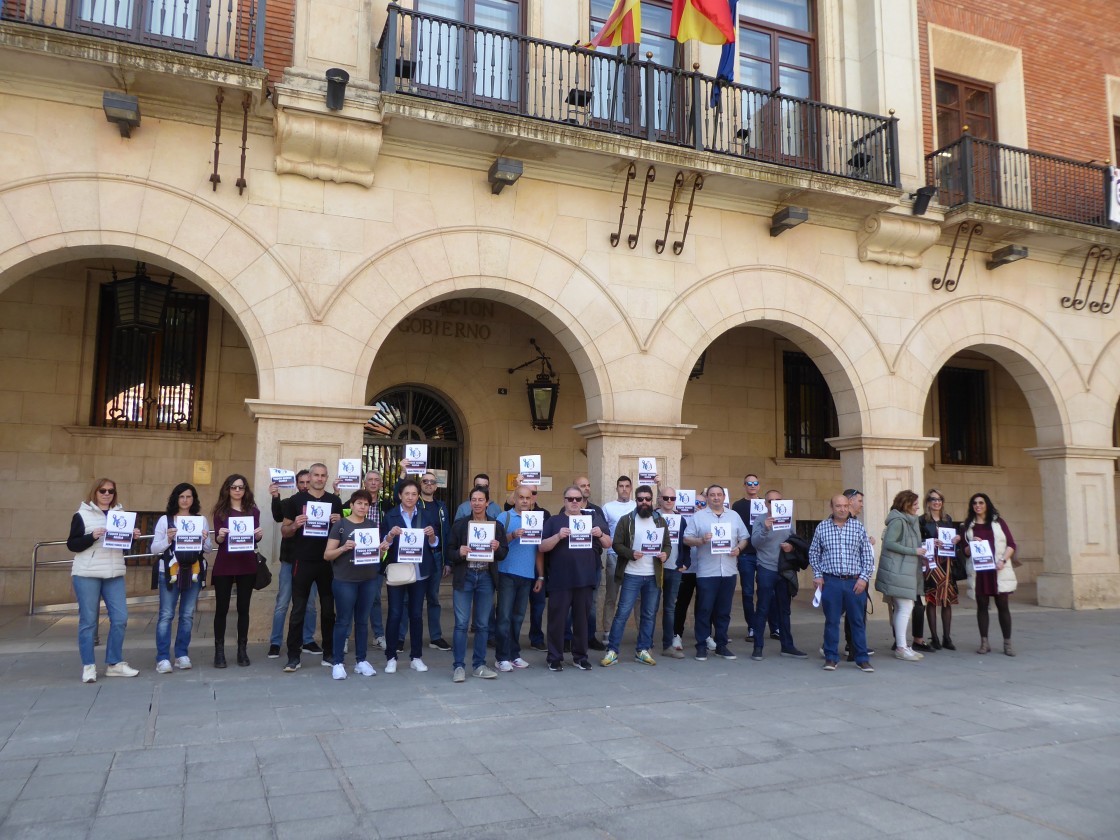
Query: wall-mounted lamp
(139, 302)
(786, 218)
(122, 109)
(698, 368)
(922, 198)
(337, 79)
(503, 173)
(1008, 254)
(542, 391)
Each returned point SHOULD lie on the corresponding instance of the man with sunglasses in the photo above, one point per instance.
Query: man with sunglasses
(748, 563)
(676, 563)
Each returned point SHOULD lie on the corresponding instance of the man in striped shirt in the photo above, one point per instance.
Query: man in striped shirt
(843, 563)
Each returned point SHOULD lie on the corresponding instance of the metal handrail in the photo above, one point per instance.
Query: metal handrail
(438, 58)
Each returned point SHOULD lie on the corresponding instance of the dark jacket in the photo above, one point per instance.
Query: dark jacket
(623, 544)
(792, 562)
(424, 518)
(459, 563)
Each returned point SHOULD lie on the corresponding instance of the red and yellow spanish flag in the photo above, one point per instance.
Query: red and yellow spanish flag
(703, 20)
(623, 26)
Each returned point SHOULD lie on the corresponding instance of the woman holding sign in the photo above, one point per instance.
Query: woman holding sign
(354, 548)
(180, 575)
(99, 544)
(989, 545)
(941, 588)
(900, 568)
(235, 562)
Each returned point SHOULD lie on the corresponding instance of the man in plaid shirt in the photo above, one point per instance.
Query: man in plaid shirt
(843, 563)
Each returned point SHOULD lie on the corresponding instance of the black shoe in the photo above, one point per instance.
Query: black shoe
(541, 646)
(219, 655)
(439, 644)
(756, 654)
(312, 647)
(923, 647)
(556, 666)
(595, 644)
(795, 653)
(568, 646)
(934, 643)
(583, 665)
(242, 654)
(947, 643)
(292, 666)
(274, 651)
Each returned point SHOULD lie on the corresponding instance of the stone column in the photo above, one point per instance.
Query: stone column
(881, 467)
(614, 447)
(1082, 567)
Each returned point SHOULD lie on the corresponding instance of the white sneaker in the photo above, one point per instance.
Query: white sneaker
(711, 643)
(338, 672)
(183, 663)
(89, 673)
(163, 666)
(418, 665)
(121, 669)
(520, 663)
(365, 669)
(379, 642)
(391, 666)
(505, 665)
(677, 643)
(908, 655)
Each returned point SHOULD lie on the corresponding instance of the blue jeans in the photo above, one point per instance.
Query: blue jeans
(283, 599)
(431, 595)
(90, 591)
(839, 595)
(186, 599)
(376, 623)
(773, 596)
(670, 586)
(352, 603)
(537, 602)
(476, 596)
(748, 568)
(415, 612)
(714, 597)
(513, 599)
(631, 588)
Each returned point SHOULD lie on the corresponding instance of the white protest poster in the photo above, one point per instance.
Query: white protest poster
(782, 511)
(930, 560)
(982, 559)
(650, 540)
(686, 502)
(119, 525)
(367, 546)
(318, 522)
(284, 479)
(240, 536)
(580, 527)
(349, 473)
(416, 458)
(479, 537)
(673, 522)
(190, 532)
(758, 510)
(721, 538)
(647, 470)
(410, 548)
(532, 527)
(946, 535)
(530, 469)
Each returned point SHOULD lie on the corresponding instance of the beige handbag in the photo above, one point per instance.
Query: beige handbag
(400, 574)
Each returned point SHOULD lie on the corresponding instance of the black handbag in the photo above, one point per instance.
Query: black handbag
(957, 568)
(264, 576)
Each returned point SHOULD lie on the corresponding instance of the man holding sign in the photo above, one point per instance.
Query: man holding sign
(769, 541)
(751, 508)
(524, 528)
(642, 543)
(719, 535)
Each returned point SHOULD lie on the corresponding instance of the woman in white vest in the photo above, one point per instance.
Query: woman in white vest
(97, 575)
(984, 523)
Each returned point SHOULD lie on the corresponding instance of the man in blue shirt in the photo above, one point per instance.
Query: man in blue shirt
(516, 575)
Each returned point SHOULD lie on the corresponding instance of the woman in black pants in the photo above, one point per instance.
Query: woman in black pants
(235, 500)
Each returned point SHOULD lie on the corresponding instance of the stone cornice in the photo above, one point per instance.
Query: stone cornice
(622, 428)
(1047, 453)
(270, 410)
(913, 444)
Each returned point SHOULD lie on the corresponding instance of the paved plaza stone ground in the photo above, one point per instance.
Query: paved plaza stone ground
(957, 746)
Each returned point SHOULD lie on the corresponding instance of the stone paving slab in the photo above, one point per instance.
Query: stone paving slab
(956, 746)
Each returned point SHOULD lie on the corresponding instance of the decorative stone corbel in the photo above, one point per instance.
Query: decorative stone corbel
(892, 239)
(327, 148)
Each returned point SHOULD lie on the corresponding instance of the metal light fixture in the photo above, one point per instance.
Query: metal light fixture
(922, 198)
(1008, 254)
(543, 390)
(698, 368)
(503, 172)
(787, 218)
(139, 302)
(122, 109)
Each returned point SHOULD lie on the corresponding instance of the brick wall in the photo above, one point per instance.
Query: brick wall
(279, 36)
(1067, 49)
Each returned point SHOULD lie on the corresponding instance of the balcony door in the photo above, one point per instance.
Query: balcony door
(473, 54)
(173, 24)
(968, 103)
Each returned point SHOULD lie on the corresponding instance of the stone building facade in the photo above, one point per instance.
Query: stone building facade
(359, 265)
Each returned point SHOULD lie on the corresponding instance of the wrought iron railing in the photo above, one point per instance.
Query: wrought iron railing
(437, 58)
(978, 171)
(230, 30)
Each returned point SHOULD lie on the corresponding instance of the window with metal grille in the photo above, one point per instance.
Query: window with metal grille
(151, 380)
(962, 399)
(810, 411)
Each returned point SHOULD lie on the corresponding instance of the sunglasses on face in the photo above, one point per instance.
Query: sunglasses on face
(111, 491)
(668, 498)
(934, 500)
(751, 483)
(428, 481)
(237, 487)
(645, 498)
(573, 498)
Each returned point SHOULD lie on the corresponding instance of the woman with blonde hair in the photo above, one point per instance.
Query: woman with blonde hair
(941, 588)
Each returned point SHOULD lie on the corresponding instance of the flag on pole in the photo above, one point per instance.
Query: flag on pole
(709, 21)
(623, 26)
(727, 58)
